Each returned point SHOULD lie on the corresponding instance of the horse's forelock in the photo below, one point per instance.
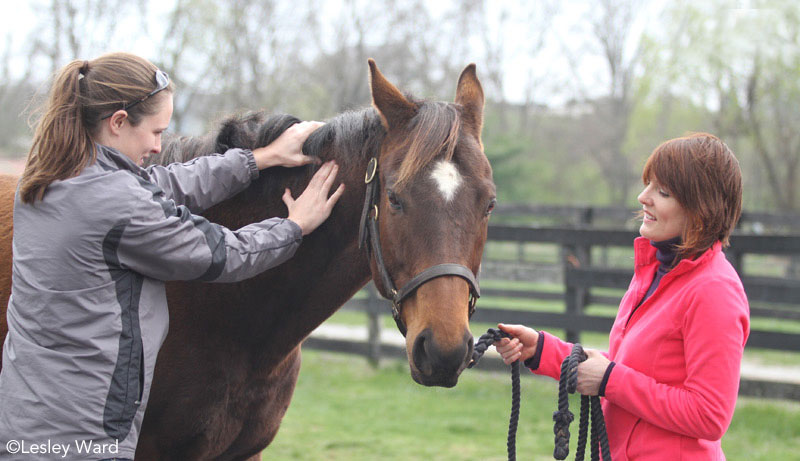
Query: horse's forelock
(434, 132)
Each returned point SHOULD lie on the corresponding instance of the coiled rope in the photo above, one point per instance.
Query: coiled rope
(567, 383)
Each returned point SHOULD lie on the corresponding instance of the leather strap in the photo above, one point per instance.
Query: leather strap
(439, 270)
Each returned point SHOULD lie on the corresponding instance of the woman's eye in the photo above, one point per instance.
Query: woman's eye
(663, 193)
(492, 204)
(393, 200)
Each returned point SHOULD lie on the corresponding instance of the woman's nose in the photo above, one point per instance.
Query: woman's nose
(643, 198)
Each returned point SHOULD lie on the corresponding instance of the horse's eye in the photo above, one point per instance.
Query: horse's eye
(492, 204)
(393, 200)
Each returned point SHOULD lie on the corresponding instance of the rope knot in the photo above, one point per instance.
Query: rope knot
(562, 418)
(560, 453)
(567, 383)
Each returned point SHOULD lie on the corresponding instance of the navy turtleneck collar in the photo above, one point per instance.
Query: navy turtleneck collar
(667, 251)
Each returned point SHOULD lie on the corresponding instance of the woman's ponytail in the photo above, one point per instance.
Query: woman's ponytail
(62, 145)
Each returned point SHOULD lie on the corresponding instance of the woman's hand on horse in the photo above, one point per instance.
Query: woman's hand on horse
(287, 150)
(314, 206)
(591, 372)
(521, 346)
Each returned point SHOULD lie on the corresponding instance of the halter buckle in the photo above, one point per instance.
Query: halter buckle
(375, 209)
(372, 168)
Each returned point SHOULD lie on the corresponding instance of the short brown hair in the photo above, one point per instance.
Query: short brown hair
(703, 175)
(81, 95)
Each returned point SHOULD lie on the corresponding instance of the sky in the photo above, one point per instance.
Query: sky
(19, 19)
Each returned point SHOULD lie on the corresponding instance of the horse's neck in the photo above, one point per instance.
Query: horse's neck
(328, 268)
(331, 267)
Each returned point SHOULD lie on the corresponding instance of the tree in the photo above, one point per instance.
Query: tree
(604, 128)
(743, 66)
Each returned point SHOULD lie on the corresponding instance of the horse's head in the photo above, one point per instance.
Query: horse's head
(434, 196)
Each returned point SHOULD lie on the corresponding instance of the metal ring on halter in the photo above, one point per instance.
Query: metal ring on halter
(395, 304)
(372, 168)
(375, 207)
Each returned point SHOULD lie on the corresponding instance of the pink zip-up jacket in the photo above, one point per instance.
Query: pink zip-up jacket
(673, 388)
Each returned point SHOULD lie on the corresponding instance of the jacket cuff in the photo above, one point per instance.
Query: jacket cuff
(533, 362)
(615, 384)
(251, 163)
(297, 231)
(604, 382)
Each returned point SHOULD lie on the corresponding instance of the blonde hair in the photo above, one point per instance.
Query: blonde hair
(81, 95)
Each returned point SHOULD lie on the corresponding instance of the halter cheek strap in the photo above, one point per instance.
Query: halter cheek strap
(369, 237)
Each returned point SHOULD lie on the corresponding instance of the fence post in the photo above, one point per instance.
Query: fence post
(374, 306)
(583, 254)
(793, 269)
(574, 297)
(735, 258)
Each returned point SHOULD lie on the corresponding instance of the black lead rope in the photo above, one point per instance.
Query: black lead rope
(568, 382)
(491, 336)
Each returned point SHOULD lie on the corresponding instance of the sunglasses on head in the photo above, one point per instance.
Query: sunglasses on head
(162, 82)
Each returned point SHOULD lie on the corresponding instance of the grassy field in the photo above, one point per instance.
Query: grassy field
(345, 410)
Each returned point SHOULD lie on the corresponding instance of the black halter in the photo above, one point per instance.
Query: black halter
(369, 237)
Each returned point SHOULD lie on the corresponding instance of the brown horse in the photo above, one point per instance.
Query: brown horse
(228, 368)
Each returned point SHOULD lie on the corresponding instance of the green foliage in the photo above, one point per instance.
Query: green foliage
(536, 163)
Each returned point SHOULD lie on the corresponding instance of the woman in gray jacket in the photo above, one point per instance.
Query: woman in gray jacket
(95, 238)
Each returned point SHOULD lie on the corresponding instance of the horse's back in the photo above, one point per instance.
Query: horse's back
(8, 185)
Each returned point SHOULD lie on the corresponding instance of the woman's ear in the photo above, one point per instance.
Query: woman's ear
(117, 121)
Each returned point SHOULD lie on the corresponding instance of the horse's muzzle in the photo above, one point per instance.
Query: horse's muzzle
(433, 366)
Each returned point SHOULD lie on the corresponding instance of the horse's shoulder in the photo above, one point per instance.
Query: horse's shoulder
(8, 186)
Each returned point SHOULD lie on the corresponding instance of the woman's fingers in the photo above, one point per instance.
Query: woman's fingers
(326, 185)
(287, 198)
(512, 355)
(335, 197)
(508, 347)
(320, 176)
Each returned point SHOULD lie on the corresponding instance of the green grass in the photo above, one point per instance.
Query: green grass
(345, 410)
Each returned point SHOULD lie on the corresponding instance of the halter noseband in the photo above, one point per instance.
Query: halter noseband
(369, 237)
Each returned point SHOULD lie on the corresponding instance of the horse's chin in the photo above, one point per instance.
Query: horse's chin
(435, 380)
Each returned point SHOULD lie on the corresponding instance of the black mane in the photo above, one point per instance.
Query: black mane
(351, 136)
(347, 138)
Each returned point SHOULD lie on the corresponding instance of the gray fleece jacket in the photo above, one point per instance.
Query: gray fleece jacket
(88, 311)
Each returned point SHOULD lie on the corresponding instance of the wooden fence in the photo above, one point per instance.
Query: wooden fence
(577, 274)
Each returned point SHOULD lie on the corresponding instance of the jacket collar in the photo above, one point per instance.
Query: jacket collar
(111, 158)
(645, 254)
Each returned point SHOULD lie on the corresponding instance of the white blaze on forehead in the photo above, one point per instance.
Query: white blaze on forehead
(447, 178)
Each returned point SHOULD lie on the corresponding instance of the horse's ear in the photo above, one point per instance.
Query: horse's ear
(469, 94)
(394, 108)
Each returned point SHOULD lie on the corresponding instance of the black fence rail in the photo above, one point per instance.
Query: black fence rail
(770, 297)
(618, 215)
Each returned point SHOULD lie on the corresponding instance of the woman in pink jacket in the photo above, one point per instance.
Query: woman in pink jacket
(671, 376)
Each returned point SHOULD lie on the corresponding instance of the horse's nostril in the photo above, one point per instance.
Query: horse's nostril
(421, 356)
